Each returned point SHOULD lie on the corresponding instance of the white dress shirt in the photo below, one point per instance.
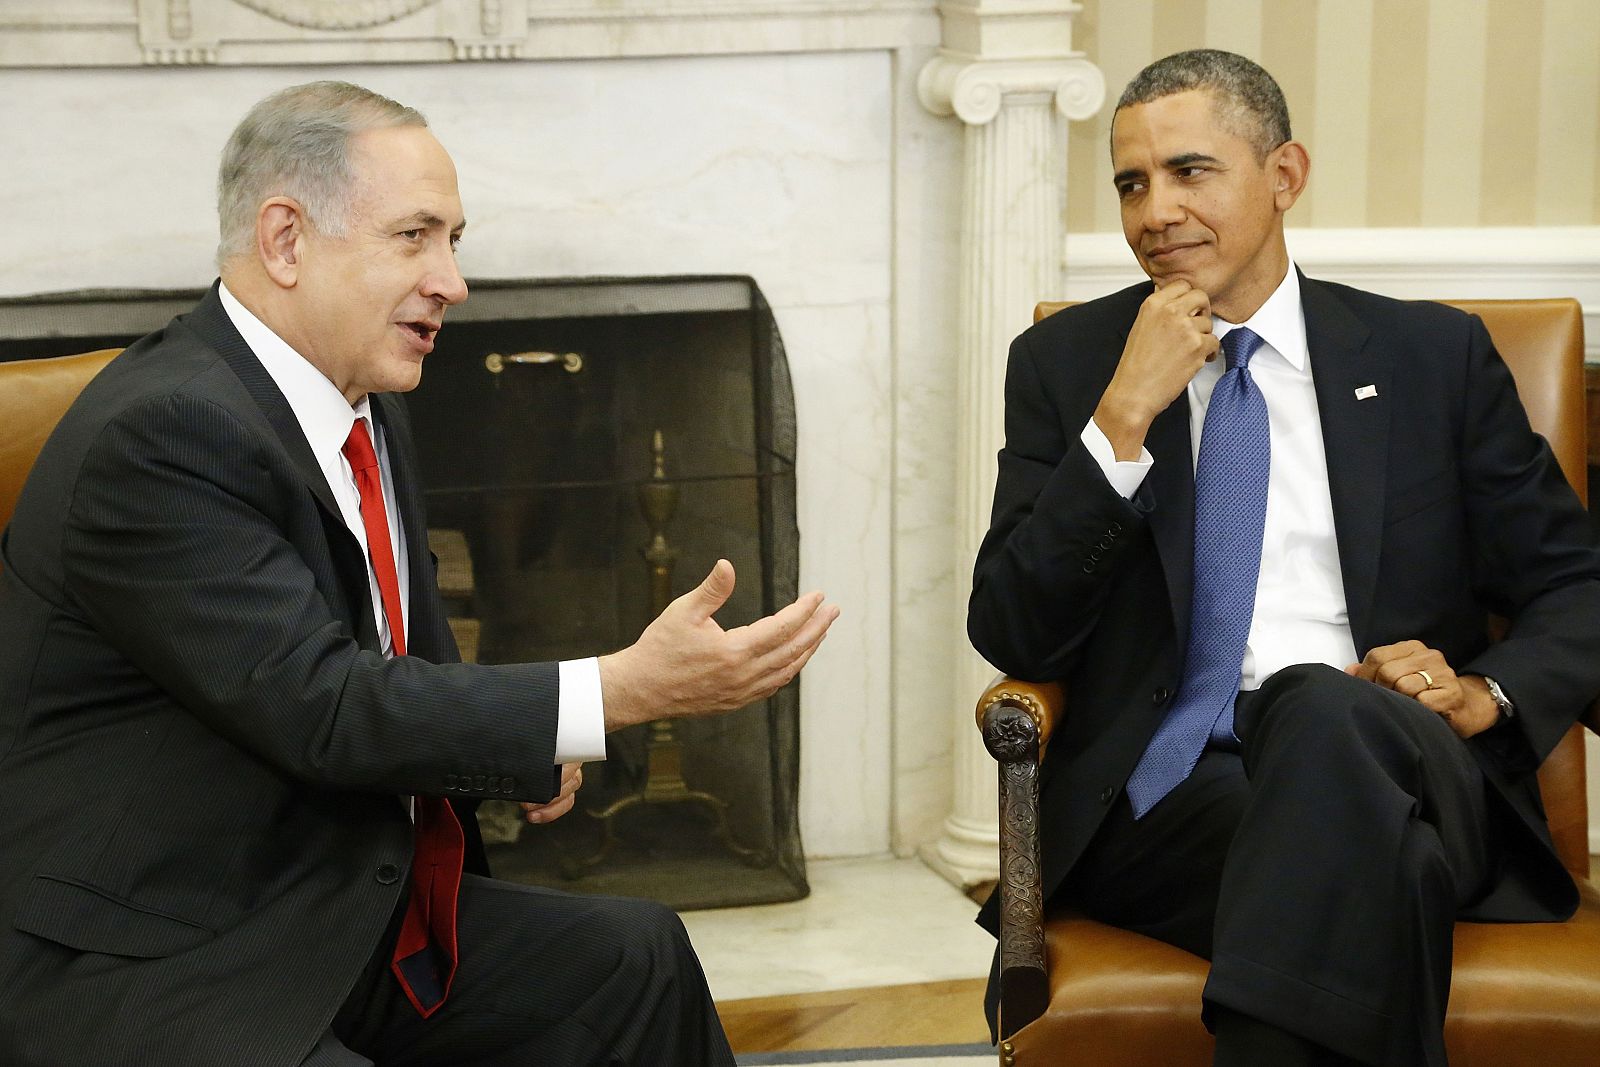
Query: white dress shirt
(1300, 614)
(325, 418)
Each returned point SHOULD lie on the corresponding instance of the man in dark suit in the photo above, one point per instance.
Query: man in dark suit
(1264, 580)
(230, 704)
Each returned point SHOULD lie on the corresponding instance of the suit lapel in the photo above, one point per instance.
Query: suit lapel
(1171, 482)
(1169, 487)
(388, 411)
(1355, 435)
(212, 324)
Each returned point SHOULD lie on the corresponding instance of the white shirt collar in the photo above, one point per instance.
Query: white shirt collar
(1280, 322)
(322, 411)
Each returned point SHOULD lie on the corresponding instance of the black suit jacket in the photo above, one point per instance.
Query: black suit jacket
(201, 747)
(1446, 507)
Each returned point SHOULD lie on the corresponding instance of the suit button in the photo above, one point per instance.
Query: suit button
(1160, 695)
(449, 781)
(1088, 568)
(388, 874)
(508, 784)
(1106, 794)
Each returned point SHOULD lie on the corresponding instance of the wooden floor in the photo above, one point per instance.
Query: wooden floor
(933, 1013)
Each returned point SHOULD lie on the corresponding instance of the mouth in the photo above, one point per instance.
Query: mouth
(422, 332)
(1170, 250)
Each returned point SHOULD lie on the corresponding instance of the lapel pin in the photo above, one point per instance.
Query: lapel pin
(1366, 392)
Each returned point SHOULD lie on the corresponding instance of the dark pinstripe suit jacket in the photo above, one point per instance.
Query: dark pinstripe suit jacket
(200, 747)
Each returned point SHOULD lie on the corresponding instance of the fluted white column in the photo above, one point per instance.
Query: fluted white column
(1008, 72)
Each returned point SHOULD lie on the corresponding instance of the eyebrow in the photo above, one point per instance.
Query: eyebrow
(428, 220)
(1186, 159)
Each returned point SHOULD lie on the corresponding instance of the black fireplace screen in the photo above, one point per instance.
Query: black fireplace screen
(589, 449)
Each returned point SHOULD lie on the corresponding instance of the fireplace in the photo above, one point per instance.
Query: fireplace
(588, 450)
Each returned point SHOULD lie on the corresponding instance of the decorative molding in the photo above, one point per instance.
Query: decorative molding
(1411, 264)
(179, 56)
(663, 10)
(82, 33)
(334, 14)
(471, 51)
(180, 20)
(973, 90)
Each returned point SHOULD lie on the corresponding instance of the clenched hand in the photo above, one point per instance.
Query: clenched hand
(1413, 669)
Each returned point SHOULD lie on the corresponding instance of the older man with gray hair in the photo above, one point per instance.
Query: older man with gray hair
(239, 756)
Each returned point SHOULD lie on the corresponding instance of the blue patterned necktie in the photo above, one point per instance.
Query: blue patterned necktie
(1230, 510)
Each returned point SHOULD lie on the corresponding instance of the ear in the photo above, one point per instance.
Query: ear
(280, 239)
(1290, 166)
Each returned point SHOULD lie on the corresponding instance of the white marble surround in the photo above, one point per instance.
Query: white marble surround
(784, 139)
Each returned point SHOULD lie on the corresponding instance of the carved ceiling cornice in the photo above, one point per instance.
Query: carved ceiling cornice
(335, 14)
(100, 33)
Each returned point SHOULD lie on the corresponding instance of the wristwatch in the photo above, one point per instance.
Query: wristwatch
(1508, 710)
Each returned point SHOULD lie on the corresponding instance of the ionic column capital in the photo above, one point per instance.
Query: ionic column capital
(974, 89)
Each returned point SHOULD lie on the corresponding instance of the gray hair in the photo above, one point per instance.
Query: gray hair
(296, 143)
(1248, 101)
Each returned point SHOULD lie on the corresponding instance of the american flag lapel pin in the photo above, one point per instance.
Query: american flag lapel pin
(1366, 392)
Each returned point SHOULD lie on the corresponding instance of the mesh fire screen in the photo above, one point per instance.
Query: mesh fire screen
(589, 449)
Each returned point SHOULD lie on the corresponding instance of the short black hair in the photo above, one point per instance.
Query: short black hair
(1248, 99)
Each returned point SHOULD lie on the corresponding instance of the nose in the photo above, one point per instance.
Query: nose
(1163, 206)
(445, 283)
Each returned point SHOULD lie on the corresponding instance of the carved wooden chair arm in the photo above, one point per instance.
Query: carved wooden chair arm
(1017, 719)
(1042, 701)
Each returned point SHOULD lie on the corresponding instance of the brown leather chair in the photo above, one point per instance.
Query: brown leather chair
(1077, 992)
(34, 394)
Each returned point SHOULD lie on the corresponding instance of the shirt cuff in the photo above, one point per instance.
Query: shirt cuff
(580, 715)
(1125, 476)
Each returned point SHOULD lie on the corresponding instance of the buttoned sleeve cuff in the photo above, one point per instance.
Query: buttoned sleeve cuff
(1125, 476)
(580, 715)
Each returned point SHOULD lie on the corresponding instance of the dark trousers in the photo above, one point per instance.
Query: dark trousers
(1320, 869)
(546, 979)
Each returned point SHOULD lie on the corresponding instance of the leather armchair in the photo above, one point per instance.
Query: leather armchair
(1077, 992)
(34, 394)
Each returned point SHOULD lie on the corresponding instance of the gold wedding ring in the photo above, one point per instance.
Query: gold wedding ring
(1427, 679)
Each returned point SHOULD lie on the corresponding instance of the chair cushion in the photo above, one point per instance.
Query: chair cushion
(1117, 999)
(1523, 995)
(1528, 993)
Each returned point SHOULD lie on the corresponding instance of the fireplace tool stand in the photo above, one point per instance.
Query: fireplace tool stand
(664, 782)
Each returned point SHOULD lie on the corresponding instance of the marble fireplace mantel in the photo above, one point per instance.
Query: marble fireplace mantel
(779, 139)
(75, 33)
(785, 140)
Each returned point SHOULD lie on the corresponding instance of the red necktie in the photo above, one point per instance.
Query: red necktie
(424, 964)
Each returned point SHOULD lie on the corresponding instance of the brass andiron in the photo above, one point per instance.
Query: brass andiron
(571, 362)
(664, 782)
